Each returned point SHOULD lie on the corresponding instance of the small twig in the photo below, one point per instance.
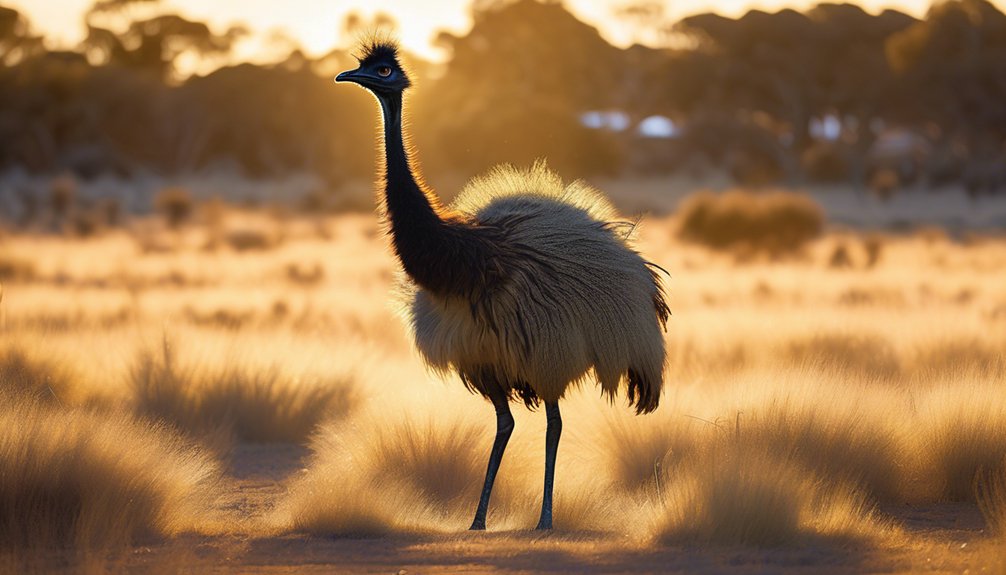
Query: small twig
(713, 423)
(656, 477)
(54, 396)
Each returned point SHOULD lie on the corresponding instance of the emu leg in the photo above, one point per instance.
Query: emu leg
(504, 427)
(551, 448)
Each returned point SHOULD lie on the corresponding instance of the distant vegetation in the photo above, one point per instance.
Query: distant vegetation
(833, 94)
(775, 223)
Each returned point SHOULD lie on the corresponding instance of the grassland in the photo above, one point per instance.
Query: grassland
(241, 394)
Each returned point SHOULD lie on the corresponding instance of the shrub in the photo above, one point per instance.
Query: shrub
(16, 269)
(85, 223)
(884, 183)
(305, 274)
(775, 223)
(825, 162)
(873, 245)
(963, 443)
(175, 204)
(380, 475)
(840, 257)
(251, 405)
(62, 193)
(737, 497)
(81, 480)
(250, 239)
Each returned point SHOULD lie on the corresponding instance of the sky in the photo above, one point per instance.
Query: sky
(314, 24)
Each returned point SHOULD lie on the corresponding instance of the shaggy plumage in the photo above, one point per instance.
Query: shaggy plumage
(523, 286)
(570, 295)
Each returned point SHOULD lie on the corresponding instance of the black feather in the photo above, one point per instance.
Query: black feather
(378, 48)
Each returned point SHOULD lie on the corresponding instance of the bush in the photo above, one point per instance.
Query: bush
(736, 497)
(249, 404)
(380, 475)
(884, 184)
(775, 223)
(16, 269)
(251, 239)
(825, 162)
(62, 193)
(78, 480)
(175, 204)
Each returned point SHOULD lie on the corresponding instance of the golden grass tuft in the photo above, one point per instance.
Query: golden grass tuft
(247, 403)
(373, 475)
(959, 357)
(992, 500)
(15, 269)
(27, 374)
(863, 354)
(76, 479)
(736, 497)
(962, 441)
(846, 442)
(775, 223)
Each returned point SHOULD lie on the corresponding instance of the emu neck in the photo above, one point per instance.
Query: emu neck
(434, 252)
(407, 202)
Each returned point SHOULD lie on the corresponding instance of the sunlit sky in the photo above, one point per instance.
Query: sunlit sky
(315, 24)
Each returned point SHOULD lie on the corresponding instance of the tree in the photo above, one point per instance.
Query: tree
(16, 40)
(135, 33)
(954, 64)
(515, 87)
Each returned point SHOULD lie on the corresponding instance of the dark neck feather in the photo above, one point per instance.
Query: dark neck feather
(439, 251)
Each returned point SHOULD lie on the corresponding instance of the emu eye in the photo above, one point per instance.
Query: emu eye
(384, 71)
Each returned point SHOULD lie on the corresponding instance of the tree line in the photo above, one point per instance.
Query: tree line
(830, 94)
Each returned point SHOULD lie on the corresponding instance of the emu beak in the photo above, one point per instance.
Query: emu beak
(349, 76)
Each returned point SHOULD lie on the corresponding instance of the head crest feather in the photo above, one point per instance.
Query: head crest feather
(378, 46)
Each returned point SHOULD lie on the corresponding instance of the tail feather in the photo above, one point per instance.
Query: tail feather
(660, 306)
(643, 394)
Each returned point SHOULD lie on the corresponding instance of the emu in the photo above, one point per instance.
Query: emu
(522, 286)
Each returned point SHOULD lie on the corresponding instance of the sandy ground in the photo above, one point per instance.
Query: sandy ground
(945, 538)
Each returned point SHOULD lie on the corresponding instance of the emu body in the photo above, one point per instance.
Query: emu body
(524, 286)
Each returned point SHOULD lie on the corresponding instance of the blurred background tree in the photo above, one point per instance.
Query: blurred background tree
(831, 94)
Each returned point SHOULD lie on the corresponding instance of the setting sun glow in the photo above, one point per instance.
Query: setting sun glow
(315, 25)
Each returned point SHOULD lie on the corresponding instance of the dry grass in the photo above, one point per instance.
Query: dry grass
(799, 396)
(775, 223)
(861, 355)
(733, 498)
(246, 403)
(379, 474)
(25, 374)
(85, 480)
(963, 441)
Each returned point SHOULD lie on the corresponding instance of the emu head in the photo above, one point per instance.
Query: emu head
(379, 71)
